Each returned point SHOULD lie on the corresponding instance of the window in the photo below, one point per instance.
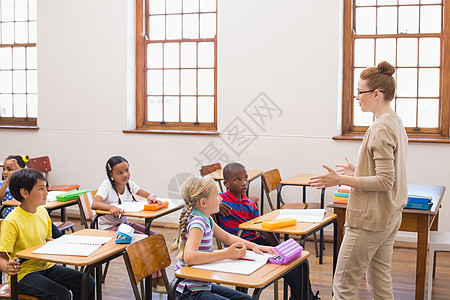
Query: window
(18, 63)
(176, 65)
(409, 34)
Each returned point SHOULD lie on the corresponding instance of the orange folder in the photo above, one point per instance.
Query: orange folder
(155, 206)
(280, 223)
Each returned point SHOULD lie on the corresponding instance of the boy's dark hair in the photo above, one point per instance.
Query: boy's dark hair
(20, 162)
(231, 167)
(24, 179)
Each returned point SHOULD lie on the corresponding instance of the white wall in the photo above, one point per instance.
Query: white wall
(290, 50)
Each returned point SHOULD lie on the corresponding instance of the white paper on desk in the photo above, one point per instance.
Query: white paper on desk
(76, 245)
(303, 215)
(51, 196)
(237, 266)
(134, 206)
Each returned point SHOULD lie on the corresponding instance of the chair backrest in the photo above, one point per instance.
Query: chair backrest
(145, 257)
(205, 170)
(272, 179)
(85, 202)
(41, 164)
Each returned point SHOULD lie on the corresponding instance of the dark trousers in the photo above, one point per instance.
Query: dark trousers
(217, 292)
(55, 283)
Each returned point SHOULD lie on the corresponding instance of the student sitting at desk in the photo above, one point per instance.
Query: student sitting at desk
(116, 189)
(236, 208)
(193, 242)
(29, 225)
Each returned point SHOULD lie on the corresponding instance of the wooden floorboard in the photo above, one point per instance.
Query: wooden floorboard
(117, 285)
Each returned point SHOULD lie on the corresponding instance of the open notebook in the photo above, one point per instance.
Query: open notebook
(237, 266)
(303, 215)
(76, 245)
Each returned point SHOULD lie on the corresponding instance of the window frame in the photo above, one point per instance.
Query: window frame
(428, 134)
(142, 40)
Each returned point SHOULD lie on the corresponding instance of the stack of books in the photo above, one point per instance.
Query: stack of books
(341, 195)
(419, 202)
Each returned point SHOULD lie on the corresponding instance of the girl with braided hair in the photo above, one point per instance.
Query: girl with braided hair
(193, 242)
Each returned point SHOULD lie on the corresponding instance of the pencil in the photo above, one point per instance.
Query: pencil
(249, 259)
(10, 258)
(259, 222)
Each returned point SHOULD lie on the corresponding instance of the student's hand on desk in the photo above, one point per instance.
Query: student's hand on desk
(348, 169)
(115, 211)
(13, 267)
(152, 199)
(237, 250)
(260, 249)
(325, 180)
(224, 209)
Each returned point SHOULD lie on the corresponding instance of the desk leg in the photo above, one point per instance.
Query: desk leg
(303, 291)
(279, 196)
(148, 222)
(14, 288)
(63, 214)
(84, 281)
(262, 196)
(421, 259)
(173, 286)
(98, 281)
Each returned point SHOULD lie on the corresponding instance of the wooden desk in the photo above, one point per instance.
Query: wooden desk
(148, 215)
(413, 220)
(302, 229)
(50, 206)
(259, 280)
(299, 180)
(107, 252)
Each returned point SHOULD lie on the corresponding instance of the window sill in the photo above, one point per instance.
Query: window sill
(193, 132)
(411, 139)
(19, 127)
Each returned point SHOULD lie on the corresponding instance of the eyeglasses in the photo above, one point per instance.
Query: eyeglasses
(363, 92)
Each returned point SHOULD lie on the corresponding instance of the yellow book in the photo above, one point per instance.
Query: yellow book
(340, 198)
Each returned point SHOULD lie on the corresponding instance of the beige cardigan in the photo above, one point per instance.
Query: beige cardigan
(381, 169)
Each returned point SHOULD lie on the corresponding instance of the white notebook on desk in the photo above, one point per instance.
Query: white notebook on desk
(76, 245)
(237, 266)
(303, 215)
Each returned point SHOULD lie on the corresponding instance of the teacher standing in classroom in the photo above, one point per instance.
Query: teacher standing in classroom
(379, 191)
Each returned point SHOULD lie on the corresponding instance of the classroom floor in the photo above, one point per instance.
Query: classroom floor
(117, 285)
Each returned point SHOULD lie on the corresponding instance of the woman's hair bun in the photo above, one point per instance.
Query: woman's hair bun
(386, 68)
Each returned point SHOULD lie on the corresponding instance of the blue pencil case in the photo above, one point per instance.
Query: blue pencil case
(287, 251)
(124, 234)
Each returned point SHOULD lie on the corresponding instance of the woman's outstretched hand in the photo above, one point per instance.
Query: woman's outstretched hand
(348, 169)
(325, 180)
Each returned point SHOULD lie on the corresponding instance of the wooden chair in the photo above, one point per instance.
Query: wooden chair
(272, 180)
(43, 164)
(143, 258)
(208, 169)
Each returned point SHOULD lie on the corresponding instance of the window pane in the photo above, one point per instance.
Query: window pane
(206, 55)
(430, 1)
(5, 82)
(364, 52)
(32, 106)
(406, 82)
(387, 20)
(408, 19)
(407, 52)
(190, 26)
(188, 55)
(173, 6)
(6, 109)
(7, 33)
(428, 113)
(154, 82)
(408, 2)
(406, 110)
(154, 55)
(429, 82)
(7, 10)
(21, 10)
(190, 6)
(171, 82)
(430, 19)
(173, 27)
(20, 106)
(32, 10)
(171, 109)
(21, 32)
(156, 6)
(387, 2)
(154, 109)
(385, 50)
(207, 5)
(207, 25)
(5, 58)
(206, 82)
(188, 109)
(19, 82)
(361, 118)
(18, 58)
(365, 21)
(188, 82)
(156, 27)
(171, 55)
(32, 32)
(31, 58)
(429, 52)
(365, 2)
(32, 81)
(206, 109)
(357, 72)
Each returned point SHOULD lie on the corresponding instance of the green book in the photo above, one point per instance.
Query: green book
(72, 195)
